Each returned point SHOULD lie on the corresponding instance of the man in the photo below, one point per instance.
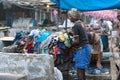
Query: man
(83, 52)
(105, 33)
(97, 47)
(118, 31)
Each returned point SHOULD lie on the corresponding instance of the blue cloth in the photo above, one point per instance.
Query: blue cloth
(43, 37)
(61, 55)
(37, 48)
(46, 51)
(105, 42)
(34, 23)
(83, 57)
(61, 45)
(88, 5)
(32, 50)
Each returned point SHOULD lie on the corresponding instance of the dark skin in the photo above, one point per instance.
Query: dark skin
(76, 38)
(118, 17)
(80, 72)
(118, 29)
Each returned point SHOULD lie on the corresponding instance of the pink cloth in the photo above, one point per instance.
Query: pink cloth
(104, 14)
(56, 51)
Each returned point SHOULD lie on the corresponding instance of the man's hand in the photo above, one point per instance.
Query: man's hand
(75, 40)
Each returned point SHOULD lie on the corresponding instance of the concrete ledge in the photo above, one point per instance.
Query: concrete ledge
(34, 66)
(7, 39)
(8, 76)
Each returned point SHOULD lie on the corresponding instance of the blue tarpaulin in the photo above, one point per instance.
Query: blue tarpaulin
(88, 5)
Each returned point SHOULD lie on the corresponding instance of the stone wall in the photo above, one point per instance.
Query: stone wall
(1, 42)
(9, 49)
(34, 66)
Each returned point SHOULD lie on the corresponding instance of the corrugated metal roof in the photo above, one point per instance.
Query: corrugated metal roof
(28, 2)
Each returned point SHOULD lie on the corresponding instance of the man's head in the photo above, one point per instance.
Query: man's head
(118, 17)
(74, 15)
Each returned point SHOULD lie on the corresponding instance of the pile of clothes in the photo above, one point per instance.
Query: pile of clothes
(42, 41)
(20, 41)
(57, 44)
(39, 41)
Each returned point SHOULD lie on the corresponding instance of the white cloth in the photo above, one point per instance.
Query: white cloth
(36, 33)
(109, 24)
(93, 22)
(101, 44)
(114, 34)
(58, 74)
(45, 43)
(106, 27)
(69, 24)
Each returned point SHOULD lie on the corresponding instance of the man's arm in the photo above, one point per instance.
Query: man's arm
(76, 33)
(75, 40)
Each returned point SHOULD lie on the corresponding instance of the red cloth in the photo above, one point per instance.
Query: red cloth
(29, 47)
(56, 51)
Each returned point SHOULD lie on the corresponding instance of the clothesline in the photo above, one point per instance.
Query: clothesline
(104, 14)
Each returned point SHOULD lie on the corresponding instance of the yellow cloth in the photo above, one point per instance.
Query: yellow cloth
(67, 41)
(61, 37)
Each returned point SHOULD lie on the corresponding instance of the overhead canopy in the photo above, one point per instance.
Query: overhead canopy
(88, 5)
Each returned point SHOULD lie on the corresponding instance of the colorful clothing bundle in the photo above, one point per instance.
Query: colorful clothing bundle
(20, 40)
(44, 42)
